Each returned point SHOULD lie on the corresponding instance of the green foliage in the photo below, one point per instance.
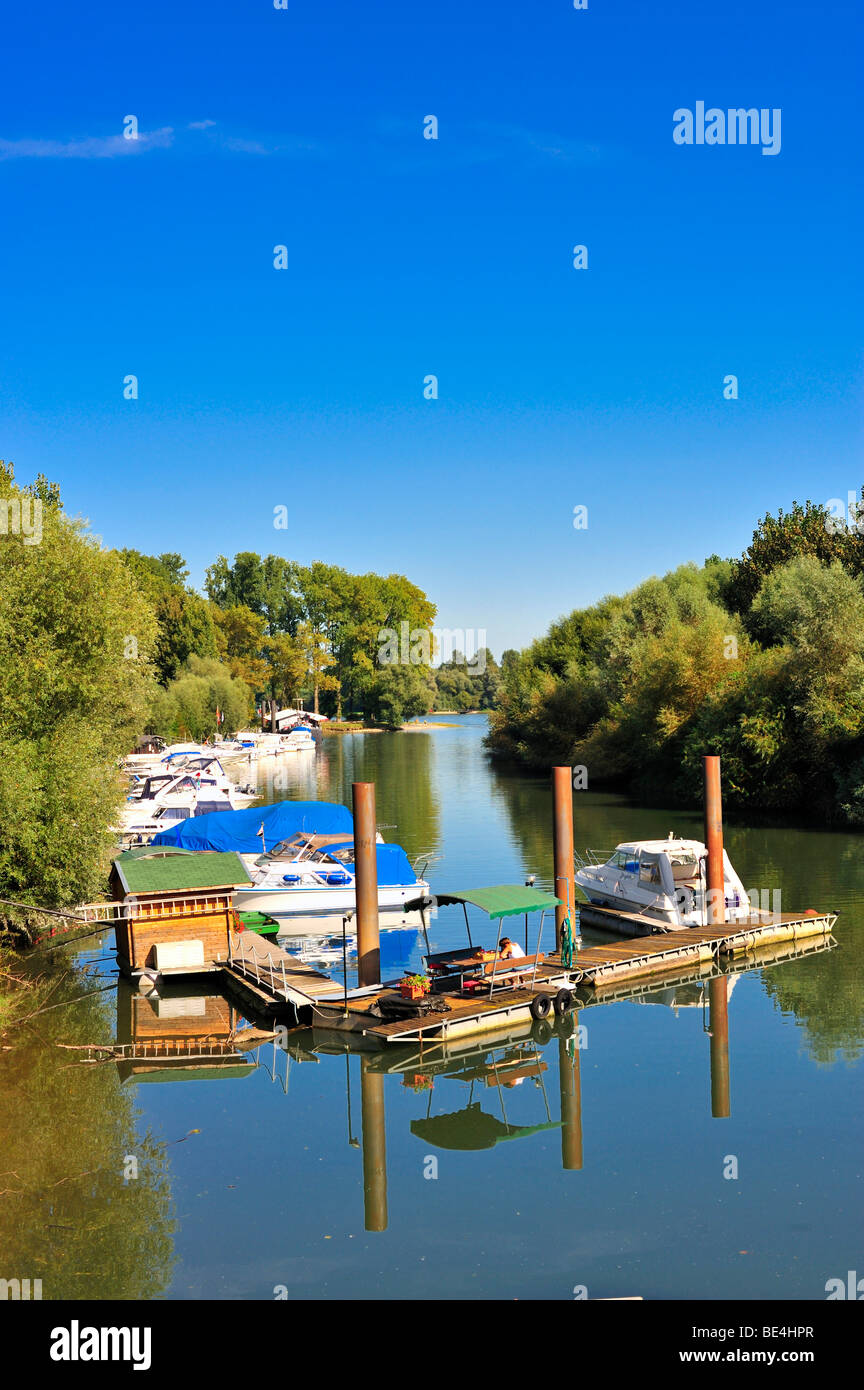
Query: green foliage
(185, 622)
(637, 689)
(317, 617)
(76, 638)
(808, 529)
(463, 685)
(397, 693)
(187, 707)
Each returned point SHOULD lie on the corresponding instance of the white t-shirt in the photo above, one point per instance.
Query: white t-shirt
(515, 950)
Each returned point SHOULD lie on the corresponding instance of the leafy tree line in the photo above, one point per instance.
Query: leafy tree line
(71, 701)
(468, 683)
(98, 646)
(759, 659)
(273, 629)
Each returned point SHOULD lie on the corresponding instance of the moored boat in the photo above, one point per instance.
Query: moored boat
(664, 880)
(313, 876)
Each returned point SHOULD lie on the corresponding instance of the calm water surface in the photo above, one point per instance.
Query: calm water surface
(630, 1197)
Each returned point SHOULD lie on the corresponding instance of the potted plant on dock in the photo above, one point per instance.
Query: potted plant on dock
(414, 986)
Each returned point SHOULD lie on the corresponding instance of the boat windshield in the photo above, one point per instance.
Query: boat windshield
(287, 849)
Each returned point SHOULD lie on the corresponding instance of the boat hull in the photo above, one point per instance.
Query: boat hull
(296, 909)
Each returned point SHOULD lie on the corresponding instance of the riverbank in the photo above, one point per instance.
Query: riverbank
(348, 726)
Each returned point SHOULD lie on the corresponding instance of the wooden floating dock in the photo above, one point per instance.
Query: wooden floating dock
(272, 983)
(667, 950)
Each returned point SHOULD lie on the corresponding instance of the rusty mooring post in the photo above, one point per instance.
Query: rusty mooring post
(366, 884)
(718, 996)
(718, 1023)
(564, 886)
(715, 881)
(374, 1147)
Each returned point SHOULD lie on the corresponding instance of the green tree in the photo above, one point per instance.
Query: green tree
(807, 529)
(399, 692)
(76, 639)
(187, 707)
(242, 645)
(185, 620)
(289, 668)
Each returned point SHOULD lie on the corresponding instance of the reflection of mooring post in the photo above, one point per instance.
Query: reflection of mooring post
(564, 886)
(571, 1101)
(366, 884)
(374, 1147)
(718, 997)
(718, 1023)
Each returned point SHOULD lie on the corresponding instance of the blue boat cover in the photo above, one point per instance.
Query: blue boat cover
(238, 830)
(394, 869)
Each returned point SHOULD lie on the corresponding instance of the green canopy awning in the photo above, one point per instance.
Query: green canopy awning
(503, 900)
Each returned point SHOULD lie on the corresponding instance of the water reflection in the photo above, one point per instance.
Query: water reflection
(403, 767)
(474, 1094)
(72, 1213)
(188, 1034)
(274, 1187)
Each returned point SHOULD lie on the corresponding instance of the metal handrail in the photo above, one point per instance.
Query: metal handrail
(592, 858)
(239, 958)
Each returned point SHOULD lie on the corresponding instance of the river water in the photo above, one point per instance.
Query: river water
(303, 1173)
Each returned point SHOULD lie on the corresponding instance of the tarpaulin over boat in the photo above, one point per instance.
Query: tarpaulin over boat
(238, 830)
(394, 870)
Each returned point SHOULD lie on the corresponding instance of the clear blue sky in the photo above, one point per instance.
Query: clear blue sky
(407, 256)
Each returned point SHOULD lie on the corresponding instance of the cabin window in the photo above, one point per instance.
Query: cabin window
(649, 870)
(683, 870)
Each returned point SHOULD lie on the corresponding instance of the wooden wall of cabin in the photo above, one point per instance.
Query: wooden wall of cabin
(137, 936)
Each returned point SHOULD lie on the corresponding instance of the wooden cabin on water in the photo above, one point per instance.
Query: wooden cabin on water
(179, 908)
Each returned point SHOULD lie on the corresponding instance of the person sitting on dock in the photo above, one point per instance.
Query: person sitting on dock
(510, 950)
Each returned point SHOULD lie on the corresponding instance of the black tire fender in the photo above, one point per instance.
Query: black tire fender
(540, 1006)
(562, 1002)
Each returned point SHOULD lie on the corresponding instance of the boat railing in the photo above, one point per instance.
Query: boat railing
(425, 859)
(592, 858)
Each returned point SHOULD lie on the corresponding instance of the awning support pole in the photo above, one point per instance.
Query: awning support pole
(467, 927)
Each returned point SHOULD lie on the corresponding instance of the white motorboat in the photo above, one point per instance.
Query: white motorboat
(163, 758)
(164, 798)
(268, 745)
(298, 740)
(664, 880)
(310, 877)
(206, 771)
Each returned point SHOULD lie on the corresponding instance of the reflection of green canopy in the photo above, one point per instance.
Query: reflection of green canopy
(471, 1128)
(504, 900)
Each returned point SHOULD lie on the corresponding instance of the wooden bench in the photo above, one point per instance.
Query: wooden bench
(496, 971)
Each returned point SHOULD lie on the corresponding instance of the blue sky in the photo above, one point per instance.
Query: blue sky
(407, 257)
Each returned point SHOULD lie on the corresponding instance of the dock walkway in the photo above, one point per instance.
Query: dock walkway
(274, 983)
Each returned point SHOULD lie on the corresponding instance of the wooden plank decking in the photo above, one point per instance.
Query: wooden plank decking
(276, 982)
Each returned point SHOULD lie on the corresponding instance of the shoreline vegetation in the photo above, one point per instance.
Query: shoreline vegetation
(758, 659)
(99, 646)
